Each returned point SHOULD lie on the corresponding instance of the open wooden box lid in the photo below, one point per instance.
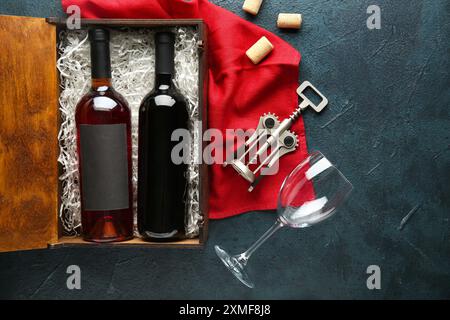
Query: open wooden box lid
(29, 121)
(28, 134)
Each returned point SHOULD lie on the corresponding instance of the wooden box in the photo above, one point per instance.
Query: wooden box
(29, 123)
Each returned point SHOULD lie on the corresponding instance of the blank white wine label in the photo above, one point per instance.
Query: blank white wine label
(104, 167)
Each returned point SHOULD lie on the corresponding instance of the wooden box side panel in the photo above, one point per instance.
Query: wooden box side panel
(135, 242)
(203, 92)
(28, 134)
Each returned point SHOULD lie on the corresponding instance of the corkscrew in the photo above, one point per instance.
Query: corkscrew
(272, 136)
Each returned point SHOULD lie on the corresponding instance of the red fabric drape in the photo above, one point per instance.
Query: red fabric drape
(239, 92)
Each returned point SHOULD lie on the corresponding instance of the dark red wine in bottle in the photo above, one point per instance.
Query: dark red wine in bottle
(104, 152)
(161, 181)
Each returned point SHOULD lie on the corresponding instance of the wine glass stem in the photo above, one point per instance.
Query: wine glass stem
(243, 257)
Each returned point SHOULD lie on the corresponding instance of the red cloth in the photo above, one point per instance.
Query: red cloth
(239, 91)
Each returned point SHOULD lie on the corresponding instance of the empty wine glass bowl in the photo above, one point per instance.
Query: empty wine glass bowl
(310, 194)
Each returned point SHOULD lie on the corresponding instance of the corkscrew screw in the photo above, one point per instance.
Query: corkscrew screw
(272, 136)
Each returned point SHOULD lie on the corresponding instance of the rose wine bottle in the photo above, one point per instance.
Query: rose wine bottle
(104, 152)
(161, 180)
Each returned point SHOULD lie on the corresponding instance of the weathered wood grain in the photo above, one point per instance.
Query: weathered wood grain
(28, 134)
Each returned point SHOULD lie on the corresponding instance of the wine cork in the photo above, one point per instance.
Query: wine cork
(289, 20)
(259, 50)
(252, 6)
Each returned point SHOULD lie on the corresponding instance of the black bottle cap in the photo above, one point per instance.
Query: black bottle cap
(100, 55)
(164, 52)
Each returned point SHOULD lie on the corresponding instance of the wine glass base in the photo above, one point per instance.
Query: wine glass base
(236, 268)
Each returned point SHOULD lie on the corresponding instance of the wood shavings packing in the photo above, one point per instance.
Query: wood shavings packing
(132, 63)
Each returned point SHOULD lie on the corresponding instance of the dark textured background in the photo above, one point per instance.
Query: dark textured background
(387, 128)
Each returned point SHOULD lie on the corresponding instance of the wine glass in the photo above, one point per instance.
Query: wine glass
(310, 194)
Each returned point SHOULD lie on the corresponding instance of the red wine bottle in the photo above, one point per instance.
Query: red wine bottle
(104, 152)
(161, 182)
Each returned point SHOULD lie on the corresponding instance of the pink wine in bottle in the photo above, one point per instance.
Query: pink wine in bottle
(104, 152)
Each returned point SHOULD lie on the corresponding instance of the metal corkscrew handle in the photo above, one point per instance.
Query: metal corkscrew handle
(308, 103)
(278, 138)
